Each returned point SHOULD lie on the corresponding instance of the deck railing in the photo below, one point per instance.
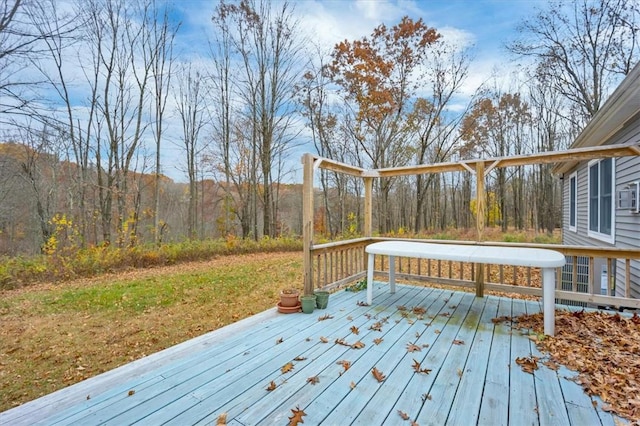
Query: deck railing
(339, 263)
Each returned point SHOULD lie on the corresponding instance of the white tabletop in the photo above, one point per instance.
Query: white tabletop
(517, 256)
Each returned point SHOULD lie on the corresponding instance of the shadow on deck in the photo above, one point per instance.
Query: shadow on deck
(472, 377)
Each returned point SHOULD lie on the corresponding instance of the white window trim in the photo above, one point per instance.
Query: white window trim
(611, 239)
(574, 176)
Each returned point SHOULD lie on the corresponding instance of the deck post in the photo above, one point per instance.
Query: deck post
(368, 207)
(480, 215)
(307, 222)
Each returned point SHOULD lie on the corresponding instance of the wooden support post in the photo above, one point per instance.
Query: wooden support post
(480, 215)
(368, 207)
(307, 222)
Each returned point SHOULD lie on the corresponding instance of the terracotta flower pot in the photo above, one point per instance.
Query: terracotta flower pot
(289, 298)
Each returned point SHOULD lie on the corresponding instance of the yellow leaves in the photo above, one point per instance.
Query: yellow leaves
(378, 374)
(355, 330)
(296, 417)
(286, 368)
(272, 386)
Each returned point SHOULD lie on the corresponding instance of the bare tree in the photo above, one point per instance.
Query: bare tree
(583, 48)
(191, 96)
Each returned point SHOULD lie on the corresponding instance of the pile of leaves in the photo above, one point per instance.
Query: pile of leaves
(603, 348)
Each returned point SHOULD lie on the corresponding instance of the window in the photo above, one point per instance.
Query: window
(601, 208)
(573, 205)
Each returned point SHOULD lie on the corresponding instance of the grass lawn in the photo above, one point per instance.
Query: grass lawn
(54, 335)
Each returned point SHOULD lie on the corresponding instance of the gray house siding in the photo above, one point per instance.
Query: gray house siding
(626, 224)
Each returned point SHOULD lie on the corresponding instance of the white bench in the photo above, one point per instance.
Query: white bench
(547, 260)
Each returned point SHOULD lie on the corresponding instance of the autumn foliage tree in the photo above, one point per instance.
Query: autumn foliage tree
(379, 76)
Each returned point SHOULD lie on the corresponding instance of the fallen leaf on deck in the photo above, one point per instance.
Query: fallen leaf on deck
(426, 396)
(401, 307)
(551, 365)
(459, 372)
(437, 331)
(324, 339)
(352, 385)
(222, 420)
(272, 386)
(458, 342)
(358, 345)
(376, 326)
(355, 330)
(345, 364)
(280, 340)
(296, 417)
(325, 317)
(313, 380)
(361, 303)
(445, 314)
(299, 358)
(131, 392)
(528, 364)
(342, 342)
(417, 367)
(419, 310)
(403, 415)
(378, 374)
(413, 348)
(349, 318)
(378, 340)
(287, 367)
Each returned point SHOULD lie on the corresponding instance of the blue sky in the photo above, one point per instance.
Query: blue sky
(483, 24)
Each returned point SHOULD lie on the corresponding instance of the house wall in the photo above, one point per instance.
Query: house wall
(627, 224)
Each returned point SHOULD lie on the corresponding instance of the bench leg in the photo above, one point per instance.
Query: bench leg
(370, 278)
(392, 274)
(549, 300)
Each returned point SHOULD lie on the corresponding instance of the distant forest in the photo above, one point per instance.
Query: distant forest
(92, 93)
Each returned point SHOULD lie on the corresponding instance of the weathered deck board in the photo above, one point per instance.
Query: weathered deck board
(473, 377)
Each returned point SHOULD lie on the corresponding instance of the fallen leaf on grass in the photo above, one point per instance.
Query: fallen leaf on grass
(528, 364)
(403, 415)
(325, 317)
(286, 368)
(222, 420)
(458, 342)
(272, 386)
(355, 330)
(313, 380)
(378, 340)
(417, 367)
(413, 348)
(378, 374)
(296, 418)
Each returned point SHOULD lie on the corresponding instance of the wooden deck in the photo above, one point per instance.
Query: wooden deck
(473, 376)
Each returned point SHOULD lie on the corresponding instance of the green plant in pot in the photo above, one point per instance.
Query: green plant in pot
(308, 303)
(322, 299)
